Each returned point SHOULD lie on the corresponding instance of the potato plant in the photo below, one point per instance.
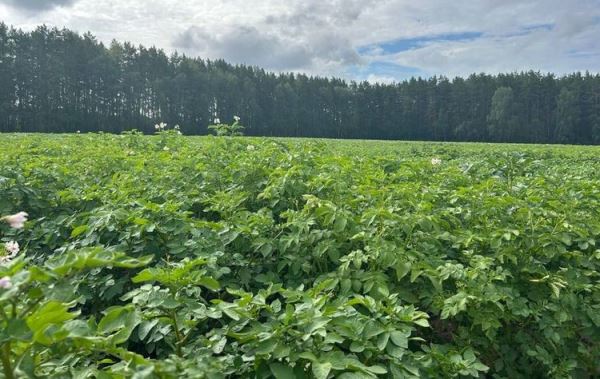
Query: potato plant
(208, 257)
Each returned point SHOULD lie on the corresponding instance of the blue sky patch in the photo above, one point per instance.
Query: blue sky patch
(404, 44)
(531, 28)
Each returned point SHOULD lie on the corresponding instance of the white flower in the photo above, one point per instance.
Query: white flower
(12, 248)
(176, 127)
(166, 148)
(78, 132)
(16, 221)
(436, 161)
(5, 283)
(250, 147)
(237, 118)
(217, 121)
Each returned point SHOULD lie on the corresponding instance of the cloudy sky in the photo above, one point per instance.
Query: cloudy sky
(376, 40)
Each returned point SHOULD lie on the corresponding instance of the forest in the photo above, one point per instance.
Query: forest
(58, 81)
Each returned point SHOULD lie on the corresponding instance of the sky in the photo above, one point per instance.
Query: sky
(374, 40)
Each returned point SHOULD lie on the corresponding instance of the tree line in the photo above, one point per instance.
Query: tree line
(56, 80)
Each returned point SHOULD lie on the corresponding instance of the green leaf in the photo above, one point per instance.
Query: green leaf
(209, 283)
(373, 329)
(16, 329)
(354, 375)
(436, 281)
(317, 323)
(78, 328)
(340, 223)
(231, 313)
(144, 276)
(282, 371)
(218, 347)
(52, 313)
(79, 230)
(321, 370)
(480, 367)
(414, 274)
(357, 347)
(402, 268)
(377, 369)
(266, 347)
(399, 339)
(121, 321)
(86, 259)
(382, 340)
(145, 328)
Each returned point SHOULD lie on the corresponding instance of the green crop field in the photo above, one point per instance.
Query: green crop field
(189, 257)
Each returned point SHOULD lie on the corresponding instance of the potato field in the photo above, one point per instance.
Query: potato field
(234, 257)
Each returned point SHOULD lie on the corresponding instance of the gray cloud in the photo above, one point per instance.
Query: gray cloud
(313, 13)
(304, 35)
(37, 5)
(243, 44)
(249, 45)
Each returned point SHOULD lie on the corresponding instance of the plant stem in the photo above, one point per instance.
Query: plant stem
(26, 310)
(177, 334)
(6, 365)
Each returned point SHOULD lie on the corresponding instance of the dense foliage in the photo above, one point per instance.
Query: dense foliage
(58, 81)
(172, 256)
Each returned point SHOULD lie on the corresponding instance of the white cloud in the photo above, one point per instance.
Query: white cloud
(382, 79)
(324, 36)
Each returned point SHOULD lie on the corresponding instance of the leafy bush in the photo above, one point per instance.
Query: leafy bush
(291, 259)
(231, 130)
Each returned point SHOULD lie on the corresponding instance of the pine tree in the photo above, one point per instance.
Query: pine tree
(567, 116)
(502, 120)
